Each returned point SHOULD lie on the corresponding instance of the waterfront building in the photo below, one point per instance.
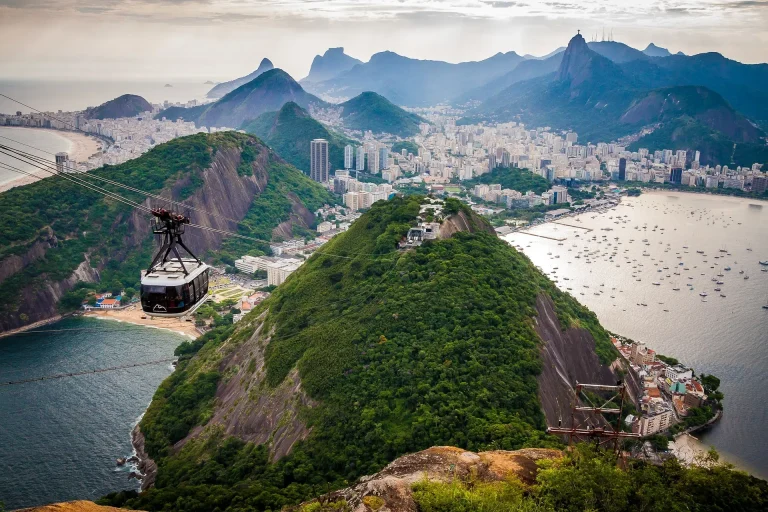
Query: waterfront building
(622, 169)
(319, 160)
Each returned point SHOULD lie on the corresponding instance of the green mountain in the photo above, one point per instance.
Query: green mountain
(290, 131)
(366, 353)
(74, 240)
(268, 92)
(371, 111)
(127, 105)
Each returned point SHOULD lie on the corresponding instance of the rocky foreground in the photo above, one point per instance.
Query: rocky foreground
(393, 485)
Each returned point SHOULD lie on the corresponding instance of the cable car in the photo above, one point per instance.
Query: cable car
(173, 286)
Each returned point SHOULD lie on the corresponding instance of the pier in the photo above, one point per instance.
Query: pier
(543, 236)
(572, 226)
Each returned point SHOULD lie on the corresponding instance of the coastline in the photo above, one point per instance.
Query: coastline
(133, 316)
(82, 147)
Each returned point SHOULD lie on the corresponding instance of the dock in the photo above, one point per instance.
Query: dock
(587, 230)
(543, 236)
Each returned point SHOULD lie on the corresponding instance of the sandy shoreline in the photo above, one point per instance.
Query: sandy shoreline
(133, 315)
(82, 147)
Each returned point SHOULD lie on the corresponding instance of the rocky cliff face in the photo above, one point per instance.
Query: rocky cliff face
(246, 407)
(392, 485)
(568, 357)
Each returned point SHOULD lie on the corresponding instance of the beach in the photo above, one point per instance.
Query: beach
(78, 145)
(134, 315)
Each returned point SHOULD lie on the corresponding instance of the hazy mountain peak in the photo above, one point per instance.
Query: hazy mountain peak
(656, 51)
(576, 61)
(225, 88)
(330, 64)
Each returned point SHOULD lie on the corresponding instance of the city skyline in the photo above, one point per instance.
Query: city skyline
(228, 38)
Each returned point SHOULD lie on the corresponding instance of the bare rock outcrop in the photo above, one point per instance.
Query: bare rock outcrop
(393, 484)
(246, 407)
(568, 357)
(72, 506)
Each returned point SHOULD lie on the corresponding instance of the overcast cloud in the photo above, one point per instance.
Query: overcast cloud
(221, 39)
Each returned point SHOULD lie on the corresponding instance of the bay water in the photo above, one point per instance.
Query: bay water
(625, 263)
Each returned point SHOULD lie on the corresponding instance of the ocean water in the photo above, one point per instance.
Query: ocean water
(725, 336)
(59, 439)
(46, 140)
(68, 96)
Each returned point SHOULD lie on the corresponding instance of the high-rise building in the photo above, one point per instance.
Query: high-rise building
(319, 160)
(373, 160)
(676, 175)
(505, 159)
(383, 156)
(360, 159)
(622, 169)
(61, 162)
(759, 184)
(349, 156)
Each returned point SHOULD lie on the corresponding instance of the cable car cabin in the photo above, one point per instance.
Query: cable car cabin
(167, 291)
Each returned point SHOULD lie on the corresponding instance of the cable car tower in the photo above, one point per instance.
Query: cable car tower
(584, 417)
(173, 286)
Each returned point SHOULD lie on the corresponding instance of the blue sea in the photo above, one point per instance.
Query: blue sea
(59, 439)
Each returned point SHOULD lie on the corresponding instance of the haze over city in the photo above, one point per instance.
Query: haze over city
(209, 39)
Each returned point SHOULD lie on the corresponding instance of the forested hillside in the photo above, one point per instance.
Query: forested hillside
(362, 355)
(290, 131)
(59, 240)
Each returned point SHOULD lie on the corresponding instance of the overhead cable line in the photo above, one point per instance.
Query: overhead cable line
(75, 128)
(43, 161)
(86, 372)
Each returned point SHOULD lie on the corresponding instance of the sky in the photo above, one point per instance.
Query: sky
(222, 39)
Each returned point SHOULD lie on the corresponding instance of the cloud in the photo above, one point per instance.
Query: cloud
(504, 4)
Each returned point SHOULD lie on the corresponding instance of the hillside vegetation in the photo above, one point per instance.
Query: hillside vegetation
(396, 351)
(513, 178)
(371, 111)
(67, 227)
(290, 131)
(267, 92)
(127, 105)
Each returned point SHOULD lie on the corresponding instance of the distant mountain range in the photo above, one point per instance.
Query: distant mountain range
(226, 87)
(608, 90)
(413, 82)
(332, 63)
(127, 105)
(289, 131)
(371, 111)
(266, 93)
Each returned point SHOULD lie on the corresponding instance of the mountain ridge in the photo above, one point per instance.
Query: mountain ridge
(329, 65)
(430, 82)
(127, 105)
(267, 92)
(220, 90)
(374, 112)
(289, 132)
